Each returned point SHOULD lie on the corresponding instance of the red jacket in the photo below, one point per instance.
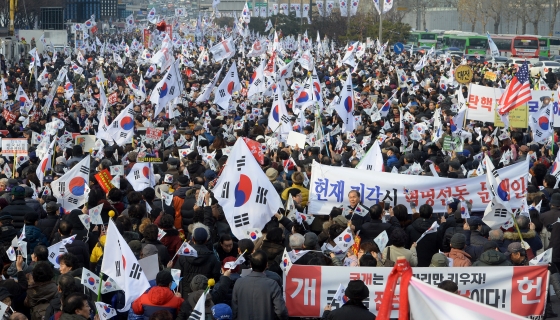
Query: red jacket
(157, 296)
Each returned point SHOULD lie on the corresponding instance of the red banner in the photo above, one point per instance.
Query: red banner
(112, 98)
(10, 117)
(104, 178)
(256, 149)
(146, 40)
(154, 133)
(169, 30)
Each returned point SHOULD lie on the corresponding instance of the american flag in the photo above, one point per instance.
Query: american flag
(518, 92)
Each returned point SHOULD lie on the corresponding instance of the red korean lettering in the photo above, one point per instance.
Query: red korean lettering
(473, 101)
(412, 196)
(486, 103)
(483, 193)
(428, 196)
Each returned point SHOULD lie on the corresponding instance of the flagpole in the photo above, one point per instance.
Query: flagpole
(178, 250)
(14, 171)
(517, 227)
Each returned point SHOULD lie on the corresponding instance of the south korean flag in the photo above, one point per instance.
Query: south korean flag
(104, 310)
(345, 240)
(245, 193)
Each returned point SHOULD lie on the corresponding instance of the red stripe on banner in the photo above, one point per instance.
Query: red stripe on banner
(303, 291)
(528, 287)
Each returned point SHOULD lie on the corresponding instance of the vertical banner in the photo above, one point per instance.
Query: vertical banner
(146, 39)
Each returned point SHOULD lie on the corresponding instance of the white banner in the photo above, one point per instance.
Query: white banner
(330, 186)
(482, 101)
(519, 290)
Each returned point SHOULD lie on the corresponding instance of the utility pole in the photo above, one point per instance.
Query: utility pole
(381, 21)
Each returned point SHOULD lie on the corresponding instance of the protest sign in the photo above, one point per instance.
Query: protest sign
(518, 118)
(86, 141)
(112, 98)
(452, 144)
(154, 133)
(519, 290)
(12, 146)
(104, 180)
(330, 186)
(482, 103)
(490, 75)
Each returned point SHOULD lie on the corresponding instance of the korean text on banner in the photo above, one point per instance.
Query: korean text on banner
(518, 118)
(104, 179)
(12, 146)
(330, 186)
(482, 104)
(519, 290)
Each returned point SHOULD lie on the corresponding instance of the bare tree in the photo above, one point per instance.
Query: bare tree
(554, 7)
(468, 12)
(495, 9)
(537, 11)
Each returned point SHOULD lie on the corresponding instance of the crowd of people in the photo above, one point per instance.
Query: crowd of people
(33, 288)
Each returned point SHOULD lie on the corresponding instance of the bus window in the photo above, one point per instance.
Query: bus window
(554, 42)
(459, 43)
(427, 36)
(503, 44)
(543, 43)
(413, 38)
(526, 44)
(476, 43)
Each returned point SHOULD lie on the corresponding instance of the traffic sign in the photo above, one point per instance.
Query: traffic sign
(398, 48)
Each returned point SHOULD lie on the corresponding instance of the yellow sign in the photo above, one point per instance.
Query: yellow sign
(490, 76)
(518, 118)
(463, 74)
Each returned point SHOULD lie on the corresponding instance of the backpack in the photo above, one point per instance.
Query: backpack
(38, 311)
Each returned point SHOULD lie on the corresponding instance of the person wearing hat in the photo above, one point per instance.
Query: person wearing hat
(183, 203)
(475, 228)
(528, 234)
(7, 229)
(222, 311)
(491, 256)
(172, 165)
(297, 183)
(49, 225)
(198, 285)
(460, 257)
(17, 208)
(204, 264)
(356, 291)
(517, 254)
(158, 298)
(439, 260)
(256, 296)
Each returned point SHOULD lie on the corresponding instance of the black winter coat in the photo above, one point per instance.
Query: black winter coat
(47, 225)
(351, 310)
(17, 209)
(429, 244)
(187, 211)
(371, 229)
(206, 264)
